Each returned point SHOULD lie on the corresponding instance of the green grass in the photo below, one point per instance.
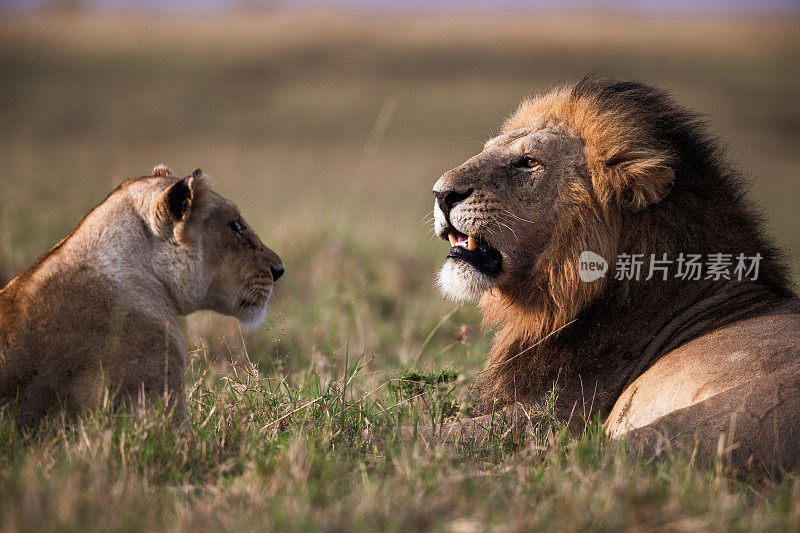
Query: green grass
(329, 132)
(308, 453)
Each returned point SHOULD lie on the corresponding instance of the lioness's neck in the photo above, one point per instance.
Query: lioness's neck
(111, 243)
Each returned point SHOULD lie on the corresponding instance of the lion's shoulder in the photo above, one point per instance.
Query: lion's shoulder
(710, 365)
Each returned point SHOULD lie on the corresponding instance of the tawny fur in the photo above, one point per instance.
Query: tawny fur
(647, 180)
(101, 307)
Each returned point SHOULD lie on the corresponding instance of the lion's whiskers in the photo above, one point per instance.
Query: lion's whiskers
(501, 222)
(427, 218)
(518, 217)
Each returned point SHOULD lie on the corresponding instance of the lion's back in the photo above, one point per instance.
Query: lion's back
(741, 381)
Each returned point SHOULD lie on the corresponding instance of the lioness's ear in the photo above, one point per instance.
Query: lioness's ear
(179, 198)
(181, 194)
(162, 171)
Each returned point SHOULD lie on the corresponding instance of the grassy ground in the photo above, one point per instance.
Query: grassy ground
(329, 132)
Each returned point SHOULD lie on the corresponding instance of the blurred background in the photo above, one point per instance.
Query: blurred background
(328, 124)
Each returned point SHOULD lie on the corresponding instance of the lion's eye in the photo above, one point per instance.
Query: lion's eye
(530, 163)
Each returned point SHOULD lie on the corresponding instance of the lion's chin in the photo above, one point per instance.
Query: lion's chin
(461, 282)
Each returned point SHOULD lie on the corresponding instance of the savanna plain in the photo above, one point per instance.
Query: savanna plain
(329, 130)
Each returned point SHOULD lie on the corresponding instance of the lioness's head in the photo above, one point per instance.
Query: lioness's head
(203, 252)
(564, 172)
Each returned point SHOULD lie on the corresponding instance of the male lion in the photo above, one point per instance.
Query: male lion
(103, 304)
(617, 169)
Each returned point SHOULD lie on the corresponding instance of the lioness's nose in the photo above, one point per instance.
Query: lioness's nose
(277, 272)
(448, 199)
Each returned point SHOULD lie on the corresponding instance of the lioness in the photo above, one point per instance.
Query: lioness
(103, 304)
(576, 227)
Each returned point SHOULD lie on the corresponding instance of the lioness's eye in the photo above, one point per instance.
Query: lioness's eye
(530, 162)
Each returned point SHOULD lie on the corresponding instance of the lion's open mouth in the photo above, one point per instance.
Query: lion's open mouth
(475, 251)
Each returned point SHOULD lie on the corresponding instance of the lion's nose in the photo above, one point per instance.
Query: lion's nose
(277, 272)
(447, 200)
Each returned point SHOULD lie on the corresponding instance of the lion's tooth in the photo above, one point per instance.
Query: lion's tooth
(452, 239)
(471, 244)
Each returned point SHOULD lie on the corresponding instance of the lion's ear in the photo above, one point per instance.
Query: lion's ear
(640, 182)
(662, 178)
